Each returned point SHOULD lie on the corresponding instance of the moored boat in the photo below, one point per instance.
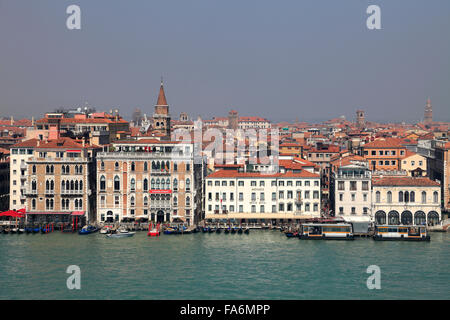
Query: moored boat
(121, 233)
(6, 230)
(327, 231)
(240, 231)
(401, 233)
(291, 234)
(247, 230)
(227, 230)
(87, 230)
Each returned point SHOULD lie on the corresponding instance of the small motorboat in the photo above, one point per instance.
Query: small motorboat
(227, 230)
(6, 230)
(247, 231)
(29, 230)
(14, 230)
(88, 230)
(218, 230)
(291, 234)
(121, 233)
(105, 230)
(36, 230)
(171, 231)
(233, 230)
(20, 230)
(154, 233)
(240, 231)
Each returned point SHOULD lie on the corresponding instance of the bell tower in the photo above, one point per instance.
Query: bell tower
(161, 117)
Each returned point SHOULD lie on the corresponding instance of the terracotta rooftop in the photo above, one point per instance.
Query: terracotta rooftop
(236, 174)
(404, 181)
(385, 143)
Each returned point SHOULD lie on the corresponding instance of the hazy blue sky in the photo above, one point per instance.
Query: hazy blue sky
(280, 59)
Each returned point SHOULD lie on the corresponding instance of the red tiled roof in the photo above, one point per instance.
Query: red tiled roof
(404, 181)
(393, 143)
(31, 143)
(236, 174)
(61, 143)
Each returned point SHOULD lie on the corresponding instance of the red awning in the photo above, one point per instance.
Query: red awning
(78, 213)
(11, 213)
(47, 212)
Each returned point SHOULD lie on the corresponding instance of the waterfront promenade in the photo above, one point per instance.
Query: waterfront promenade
(262, 265)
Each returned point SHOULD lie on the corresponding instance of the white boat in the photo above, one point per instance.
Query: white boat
(105, 230)
(121, 233)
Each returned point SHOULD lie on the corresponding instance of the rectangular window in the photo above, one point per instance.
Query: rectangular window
(253, 183)
(352, 185)
(341, 185)
(261, 196)
(241, 183)
(365, 185)
(241, 208)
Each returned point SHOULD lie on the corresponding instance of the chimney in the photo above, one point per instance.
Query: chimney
(12, 120)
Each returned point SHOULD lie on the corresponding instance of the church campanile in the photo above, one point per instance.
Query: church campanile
(161, 117)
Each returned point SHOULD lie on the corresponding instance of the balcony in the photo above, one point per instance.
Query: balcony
(72, 192)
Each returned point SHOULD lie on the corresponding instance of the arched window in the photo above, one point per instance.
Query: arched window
(412, 196)
(34, 169)
(102, 166)
(145, 166)
(52, 169)
(76, 204)
(76, 169)
(102, 183)
(133, 184)
(406, 196)
(167, 166)
(153, 165)
(81, 169)
(407, 218)
(188, 201)
(157, 184)
(145, 185)
(47, 185)
(63, 169)
(67, 204)
(63, 185)
(153, 184)
(424, 197)
(33, 185)
(145, 201)
(76, 185)
(400, 196)
(168, 183)
(393, 218)
(47, 169)
(389, 197)
(435, 197)
(132, 201)
(175, 167)
(116, 166)
(47, 204)
(67, 169)
(175, 201)
(420, 218)
(175, 184)
(52, 185)
(33, 204)
(433, 218)
(81, 185)
(116, 183)
(188, 184)
(163, 184)
(377, 197)
(133, 166)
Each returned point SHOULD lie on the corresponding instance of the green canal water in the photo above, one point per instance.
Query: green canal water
(262, 265)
